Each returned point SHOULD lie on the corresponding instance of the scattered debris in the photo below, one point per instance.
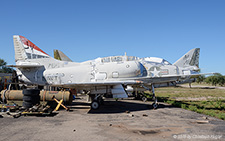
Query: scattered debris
(128, 111)
(131, 115)
(205, 118)
(143, 132)
(202, 121)
(59, 104)
(6, 107)
(144, 115)
(16, 111)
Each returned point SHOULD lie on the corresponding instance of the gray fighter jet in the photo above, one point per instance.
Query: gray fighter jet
(106, 76)
(164, 73)
(158, 67)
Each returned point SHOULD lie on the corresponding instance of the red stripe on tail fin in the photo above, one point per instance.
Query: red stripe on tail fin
(30, 44)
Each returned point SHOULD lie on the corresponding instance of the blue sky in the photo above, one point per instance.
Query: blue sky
(87, 29)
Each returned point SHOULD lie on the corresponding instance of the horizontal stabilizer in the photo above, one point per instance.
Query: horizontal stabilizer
(196, 75)
(25, 66)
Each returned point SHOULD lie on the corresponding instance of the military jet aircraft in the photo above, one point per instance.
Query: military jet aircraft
(157, 68)
(106, 76)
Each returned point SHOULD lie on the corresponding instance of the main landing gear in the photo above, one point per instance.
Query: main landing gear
(155, 104)
(97, 101)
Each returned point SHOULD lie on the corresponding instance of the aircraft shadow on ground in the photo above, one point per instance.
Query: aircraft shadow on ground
(124, 106)
(118, 106)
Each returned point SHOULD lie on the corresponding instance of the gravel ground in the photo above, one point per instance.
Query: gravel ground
(115, 120)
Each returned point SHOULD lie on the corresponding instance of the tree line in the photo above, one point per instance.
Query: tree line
(4, 68)
(216, 79)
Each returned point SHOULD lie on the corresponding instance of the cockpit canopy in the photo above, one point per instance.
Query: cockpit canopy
(133, 58)
(118, 59)
(156, 60)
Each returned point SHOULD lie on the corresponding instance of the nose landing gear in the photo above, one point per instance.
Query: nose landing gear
(96, 102)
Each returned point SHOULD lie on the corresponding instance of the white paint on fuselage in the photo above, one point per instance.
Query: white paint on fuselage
(85, 73)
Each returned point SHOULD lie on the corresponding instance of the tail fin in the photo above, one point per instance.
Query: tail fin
(189, 59)
(25, 49)
(61, 56)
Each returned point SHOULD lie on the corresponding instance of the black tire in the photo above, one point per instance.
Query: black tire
(33, 99)
(29, 92)
(37, 98)
(95, 105)
(155, 105)
(144, 98)
(27, 104)
(27, 98)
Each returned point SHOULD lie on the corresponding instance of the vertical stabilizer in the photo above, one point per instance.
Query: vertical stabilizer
(19, 49)
(25, 49)
(189, 59)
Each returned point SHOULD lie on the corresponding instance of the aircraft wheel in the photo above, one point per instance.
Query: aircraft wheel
(95, 105)
(144, 99)
(155, 105)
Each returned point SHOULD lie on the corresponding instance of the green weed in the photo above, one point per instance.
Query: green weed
(214, 106)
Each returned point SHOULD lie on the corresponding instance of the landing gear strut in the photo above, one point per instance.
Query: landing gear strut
(155, 104)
